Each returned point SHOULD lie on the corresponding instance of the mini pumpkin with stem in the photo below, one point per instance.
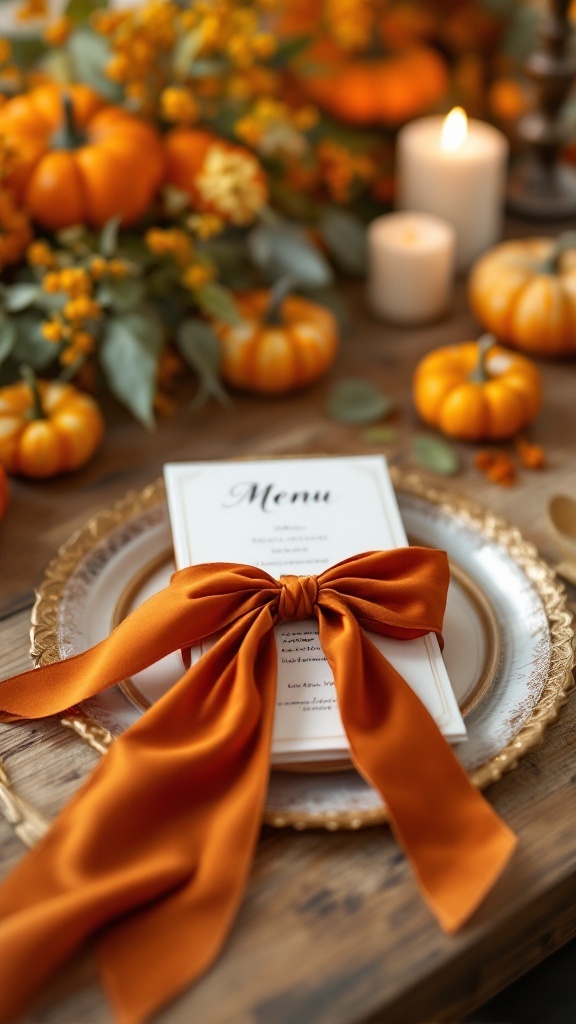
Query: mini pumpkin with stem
(47, 427)
(477, 390)
(524, 291)
(284, 342)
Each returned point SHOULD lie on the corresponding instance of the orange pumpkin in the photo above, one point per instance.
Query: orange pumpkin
(4, 495)
(78, 160)
(524, 291)
(47, 427)
(276, 350)
(386, 90)
(219, 176)
(477, 390)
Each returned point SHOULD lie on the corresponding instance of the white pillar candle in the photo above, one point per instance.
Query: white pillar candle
(456, 169)
(410, 267)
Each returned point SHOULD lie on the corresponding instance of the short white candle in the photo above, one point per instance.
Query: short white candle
(411, 267)
(456, 169)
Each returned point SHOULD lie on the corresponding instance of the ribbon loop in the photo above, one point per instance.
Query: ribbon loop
(298, 596)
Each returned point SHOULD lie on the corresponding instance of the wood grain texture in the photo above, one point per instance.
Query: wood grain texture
(332, 930)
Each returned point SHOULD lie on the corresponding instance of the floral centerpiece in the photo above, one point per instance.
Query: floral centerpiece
(156, 159)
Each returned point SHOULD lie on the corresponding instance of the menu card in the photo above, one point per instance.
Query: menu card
(299, 517)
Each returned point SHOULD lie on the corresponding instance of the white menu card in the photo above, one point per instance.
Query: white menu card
(300, 516)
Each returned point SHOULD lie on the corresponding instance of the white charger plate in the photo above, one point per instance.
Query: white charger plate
(508, 641)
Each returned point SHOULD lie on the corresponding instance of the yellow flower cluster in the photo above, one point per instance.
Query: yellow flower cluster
(170, 242)
(275, 129)
(205, 225)
(140, 39)
(153, 42)
(341, 170)
(74, 325)
(232, 184)
(179, 106)
(177, 244)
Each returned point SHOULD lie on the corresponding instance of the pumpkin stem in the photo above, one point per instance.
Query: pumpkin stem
(480, 373)
(278, 292)
(565, 241)
(29, 377)
(69, 135)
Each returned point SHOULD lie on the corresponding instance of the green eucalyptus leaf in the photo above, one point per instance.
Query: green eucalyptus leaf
(129, 353)
(282, 250)
(357, 401)
(7, 338)
(26, 47)
(345, 238)
(380, 435)
(186, 50)
(435, 455)
(218, 302)
(18, 297)
(199, 347)
(30, 347)
(59, 67)
(91, 54)
(121, 294)
(108, 243)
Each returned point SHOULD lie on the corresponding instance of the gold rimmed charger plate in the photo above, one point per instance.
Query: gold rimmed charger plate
(522, 705)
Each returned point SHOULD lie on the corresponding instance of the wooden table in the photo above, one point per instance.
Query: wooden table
(331, 929)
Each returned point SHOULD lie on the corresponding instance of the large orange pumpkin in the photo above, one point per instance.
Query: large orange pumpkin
(385, 90)
(79, 160)
(219, 176)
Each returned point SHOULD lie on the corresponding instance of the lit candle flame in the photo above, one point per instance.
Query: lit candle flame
(454, 129)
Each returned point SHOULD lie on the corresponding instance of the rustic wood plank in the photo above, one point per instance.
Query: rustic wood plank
(331, 929)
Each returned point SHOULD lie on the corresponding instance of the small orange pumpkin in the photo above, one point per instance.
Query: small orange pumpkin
(386, 90)
(524, 291)
(477, 390)
(282, 345)
(219, 176)
(79, 160)
(47, 427)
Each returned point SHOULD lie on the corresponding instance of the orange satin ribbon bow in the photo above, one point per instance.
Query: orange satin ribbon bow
(155, 849)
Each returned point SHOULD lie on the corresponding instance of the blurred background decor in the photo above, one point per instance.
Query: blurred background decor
(158, 159)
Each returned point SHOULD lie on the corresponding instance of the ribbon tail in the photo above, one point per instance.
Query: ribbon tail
(153, 853)
(456, 843)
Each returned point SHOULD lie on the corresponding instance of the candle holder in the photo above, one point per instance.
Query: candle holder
(540, 186)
